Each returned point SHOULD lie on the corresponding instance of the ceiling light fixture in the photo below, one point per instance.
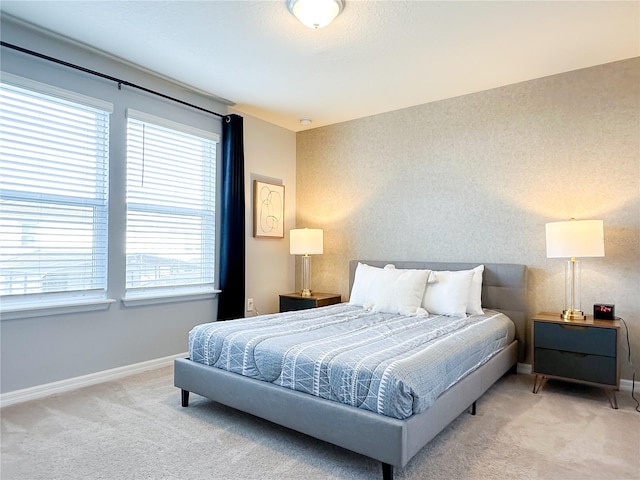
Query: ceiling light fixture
(315, 13)
(305, 122)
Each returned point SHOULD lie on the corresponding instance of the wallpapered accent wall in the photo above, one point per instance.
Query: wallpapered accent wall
(475, 178)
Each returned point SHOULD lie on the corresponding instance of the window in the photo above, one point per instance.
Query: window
(54, 157)
(170, 234)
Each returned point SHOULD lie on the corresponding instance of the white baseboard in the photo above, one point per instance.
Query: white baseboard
(525, 368)
(40, 391)
(627, 384)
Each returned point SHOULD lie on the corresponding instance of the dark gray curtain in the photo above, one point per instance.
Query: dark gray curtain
(232, 231)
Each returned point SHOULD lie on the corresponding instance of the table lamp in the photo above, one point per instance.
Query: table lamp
(305, 242)
(574, 239)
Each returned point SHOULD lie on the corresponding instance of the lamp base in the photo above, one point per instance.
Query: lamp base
(306, 274)
(573, 315)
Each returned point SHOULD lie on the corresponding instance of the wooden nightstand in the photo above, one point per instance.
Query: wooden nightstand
(295, 301)
(584, 351)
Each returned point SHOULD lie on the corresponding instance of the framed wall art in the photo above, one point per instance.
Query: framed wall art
(268, 210)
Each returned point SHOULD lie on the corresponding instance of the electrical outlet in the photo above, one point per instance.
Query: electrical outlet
(250, 305)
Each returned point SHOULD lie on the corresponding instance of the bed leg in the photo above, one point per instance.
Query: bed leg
(387, 471)
(473, 408)
(185, 397)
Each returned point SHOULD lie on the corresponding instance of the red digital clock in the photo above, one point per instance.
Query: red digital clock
(603, 311)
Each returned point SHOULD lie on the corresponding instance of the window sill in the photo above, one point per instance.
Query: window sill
(32, 311)
(139, 301)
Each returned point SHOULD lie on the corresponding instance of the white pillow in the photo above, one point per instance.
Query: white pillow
(365, 285)
(449, 294)
(400, 291)
(474, 305)
(388, 289)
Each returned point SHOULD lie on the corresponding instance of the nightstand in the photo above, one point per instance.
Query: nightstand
(584, 351)
(295, 301)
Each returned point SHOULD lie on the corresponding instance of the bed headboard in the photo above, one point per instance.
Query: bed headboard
(504, 288)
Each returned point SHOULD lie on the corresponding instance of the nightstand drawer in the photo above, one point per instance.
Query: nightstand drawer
(588, 368)
(289, 304)
(576, 338)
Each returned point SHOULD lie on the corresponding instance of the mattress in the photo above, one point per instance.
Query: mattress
(391, 364)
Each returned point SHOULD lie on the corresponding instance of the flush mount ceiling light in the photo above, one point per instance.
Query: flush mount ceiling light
(315, 13)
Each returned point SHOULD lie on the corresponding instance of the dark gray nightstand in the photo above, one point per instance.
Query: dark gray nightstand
(584, 351)
(295, 301)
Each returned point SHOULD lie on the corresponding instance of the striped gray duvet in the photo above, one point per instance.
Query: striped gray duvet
(390, 364)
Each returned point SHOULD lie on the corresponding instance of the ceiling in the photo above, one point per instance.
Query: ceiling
(377, 56)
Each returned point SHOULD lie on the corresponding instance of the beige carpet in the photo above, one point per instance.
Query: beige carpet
(135, 428)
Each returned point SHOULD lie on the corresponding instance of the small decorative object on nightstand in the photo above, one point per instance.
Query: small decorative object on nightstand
(584, 351)
(296, 301)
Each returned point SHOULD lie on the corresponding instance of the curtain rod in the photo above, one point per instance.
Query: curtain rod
(119, 81)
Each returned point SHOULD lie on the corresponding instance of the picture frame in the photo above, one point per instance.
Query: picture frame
(268, 210)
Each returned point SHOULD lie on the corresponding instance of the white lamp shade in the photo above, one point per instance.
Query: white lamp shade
(315, 13)
(575, 238)
(305, 241)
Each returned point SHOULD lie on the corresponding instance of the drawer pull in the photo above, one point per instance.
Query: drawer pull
(573, 327)
(573, 354)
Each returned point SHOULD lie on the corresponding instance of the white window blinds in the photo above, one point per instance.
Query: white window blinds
(170, 236)
(54, 152)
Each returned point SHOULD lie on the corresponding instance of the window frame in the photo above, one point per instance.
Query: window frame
(52, 303)
(172, 293)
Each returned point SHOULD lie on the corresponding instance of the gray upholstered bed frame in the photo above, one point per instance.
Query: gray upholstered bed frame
(389, 440)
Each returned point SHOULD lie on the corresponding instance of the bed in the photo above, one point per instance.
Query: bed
(390, 440)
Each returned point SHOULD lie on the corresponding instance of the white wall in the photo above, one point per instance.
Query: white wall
(270, 155)
(475, 179)
(40, 350)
